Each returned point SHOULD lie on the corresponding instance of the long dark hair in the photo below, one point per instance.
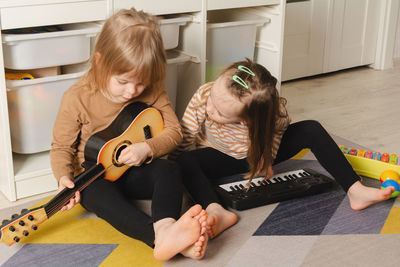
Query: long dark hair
(261, 110)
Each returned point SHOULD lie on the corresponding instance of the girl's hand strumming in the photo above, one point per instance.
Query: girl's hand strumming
(135, 154)
(64, 182)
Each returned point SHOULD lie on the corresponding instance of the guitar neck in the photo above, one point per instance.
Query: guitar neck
(81, 182)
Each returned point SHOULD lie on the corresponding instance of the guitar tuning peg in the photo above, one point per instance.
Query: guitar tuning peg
(4, 222)
(24, 211)
(14, 216)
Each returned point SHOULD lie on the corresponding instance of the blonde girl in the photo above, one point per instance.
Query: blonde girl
(128, 65)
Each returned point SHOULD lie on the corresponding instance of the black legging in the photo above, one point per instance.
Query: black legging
(112, 201)
(202, 165)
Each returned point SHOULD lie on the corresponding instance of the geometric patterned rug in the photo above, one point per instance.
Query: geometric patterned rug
(77, 238)
(322, 230)
(318, 230)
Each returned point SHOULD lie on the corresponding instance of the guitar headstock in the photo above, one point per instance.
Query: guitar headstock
(20, 225)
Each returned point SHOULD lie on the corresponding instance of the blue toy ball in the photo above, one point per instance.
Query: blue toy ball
(393, 183)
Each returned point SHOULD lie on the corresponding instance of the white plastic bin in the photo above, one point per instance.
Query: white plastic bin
(49, 49)
(174, 58)
(32, 107)
(169, 28)
(231, 37)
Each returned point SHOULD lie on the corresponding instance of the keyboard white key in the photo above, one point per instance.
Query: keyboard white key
(256, 181)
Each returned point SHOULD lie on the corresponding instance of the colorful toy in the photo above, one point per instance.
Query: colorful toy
(391, 178)
(368, 154)
(353, 152)
(19, 76)
(376, 156)
(345, 150)
(366, 166)
(385, 157)
(361, 152)
(389, 175)
(393, 159)
(394, 184)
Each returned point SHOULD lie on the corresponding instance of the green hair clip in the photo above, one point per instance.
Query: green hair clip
(240, 80)
(246, 69)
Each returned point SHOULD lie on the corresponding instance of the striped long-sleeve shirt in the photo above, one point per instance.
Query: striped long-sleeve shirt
(232, 139)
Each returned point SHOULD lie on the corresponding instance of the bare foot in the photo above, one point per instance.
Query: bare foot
(219, 219)
(172, 237)
(198, 249)
(362, 196)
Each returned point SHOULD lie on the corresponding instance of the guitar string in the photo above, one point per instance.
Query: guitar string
(58, 204)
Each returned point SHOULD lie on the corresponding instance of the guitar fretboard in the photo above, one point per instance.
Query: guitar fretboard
(81, 181)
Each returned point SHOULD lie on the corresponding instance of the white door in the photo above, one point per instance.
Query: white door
(304, 38)
(351, 34)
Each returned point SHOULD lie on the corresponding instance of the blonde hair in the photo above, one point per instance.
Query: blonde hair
(260, 112)
(130, 41)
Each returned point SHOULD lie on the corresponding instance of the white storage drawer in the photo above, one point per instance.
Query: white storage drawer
(223, 4)
(174, 58)
(231, 37)
(32, 108)
(22, 15)
(47, 49)
(35, 185)
(169, 28)
(159, 7)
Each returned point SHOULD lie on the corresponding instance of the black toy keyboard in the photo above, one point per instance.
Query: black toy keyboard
(279, 187)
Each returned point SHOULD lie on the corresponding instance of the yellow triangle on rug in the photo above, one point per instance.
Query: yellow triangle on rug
(69, 227)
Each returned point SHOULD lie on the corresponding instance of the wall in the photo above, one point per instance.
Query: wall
(397, 43)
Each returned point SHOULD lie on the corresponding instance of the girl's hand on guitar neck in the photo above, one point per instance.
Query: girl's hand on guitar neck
(64, 182)
(135, 154)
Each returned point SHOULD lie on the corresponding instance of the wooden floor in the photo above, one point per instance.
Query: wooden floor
(360, 104)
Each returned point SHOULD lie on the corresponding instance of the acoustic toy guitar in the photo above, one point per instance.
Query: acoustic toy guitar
(135, 123)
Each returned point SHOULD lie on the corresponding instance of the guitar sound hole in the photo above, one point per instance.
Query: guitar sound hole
(119, 150)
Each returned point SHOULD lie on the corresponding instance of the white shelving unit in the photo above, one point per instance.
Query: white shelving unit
(24, 175)
(28, 174)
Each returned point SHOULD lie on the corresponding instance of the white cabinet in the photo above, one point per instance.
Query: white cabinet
(328, 35)
(304, 39)
(351, 34)
(24, 175)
